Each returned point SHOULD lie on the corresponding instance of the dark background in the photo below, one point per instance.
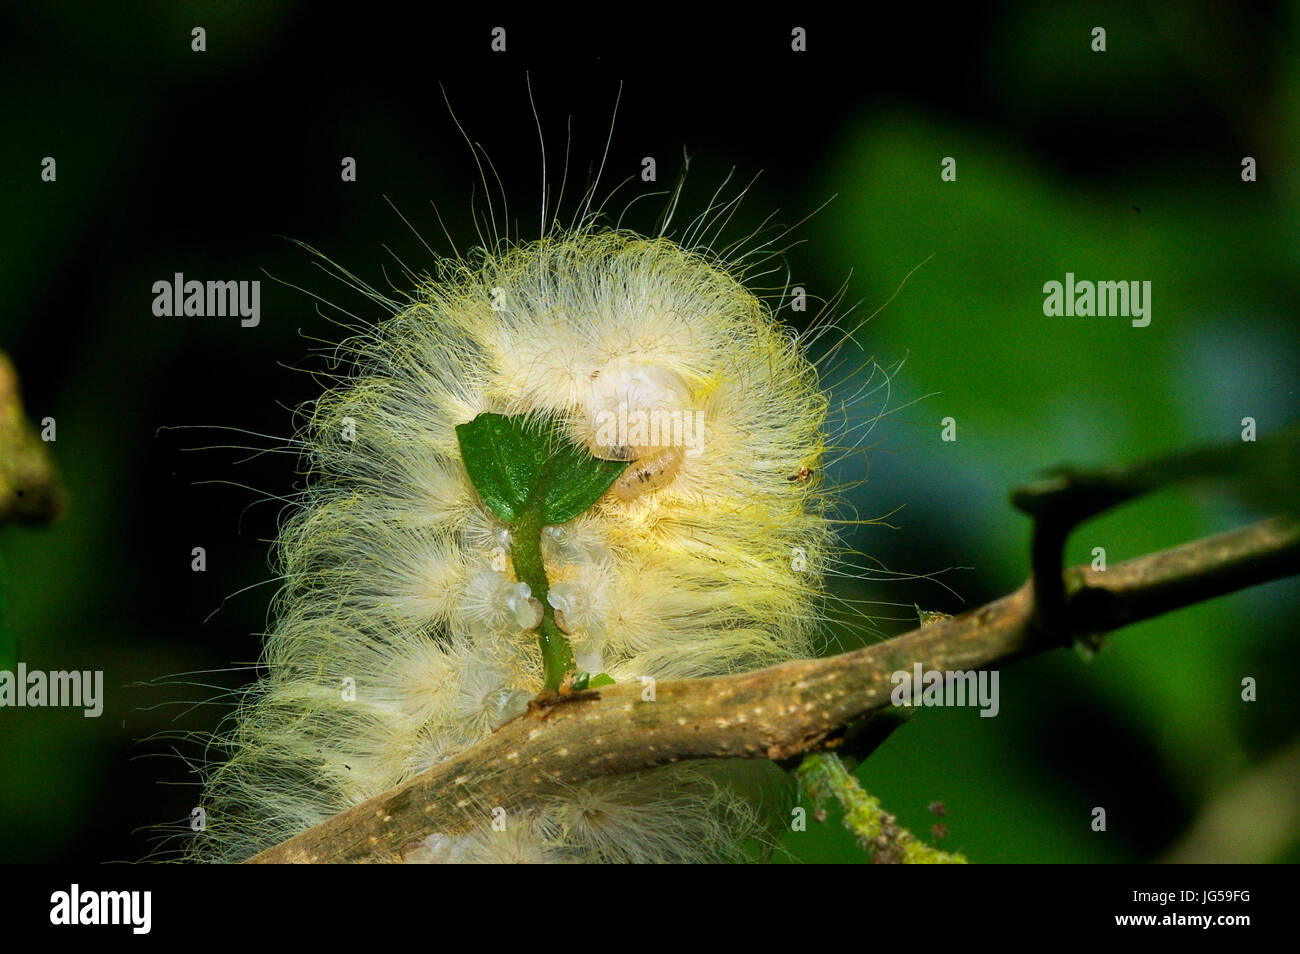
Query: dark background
(1115, 165)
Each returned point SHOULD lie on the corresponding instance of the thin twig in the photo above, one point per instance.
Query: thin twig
(1264, 472)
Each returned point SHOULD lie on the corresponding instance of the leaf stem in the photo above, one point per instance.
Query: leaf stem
(526, 554)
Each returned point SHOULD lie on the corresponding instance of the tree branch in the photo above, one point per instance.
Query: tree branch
(779, 712)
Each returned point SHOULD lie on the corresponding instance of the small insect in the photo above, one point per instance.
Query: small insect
(802, 474)
(649, 474)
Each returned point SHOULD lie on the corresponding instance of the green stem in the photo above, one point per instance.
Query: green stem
(823, 776)
(526, 554)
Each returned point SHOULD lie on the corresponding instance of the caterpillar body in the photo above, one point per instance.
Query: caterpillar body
(397, 581)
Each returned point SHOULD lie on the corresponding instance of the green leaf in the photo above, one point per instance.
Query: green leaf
(585, 680)
(529, 474)
(525, 467)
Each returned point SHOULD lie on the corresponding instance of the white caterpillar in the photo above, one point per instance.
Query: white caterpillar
(403, 635)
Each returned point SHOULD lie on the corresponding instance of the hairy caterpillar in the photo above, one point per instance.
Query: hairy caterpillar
(404, 633)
